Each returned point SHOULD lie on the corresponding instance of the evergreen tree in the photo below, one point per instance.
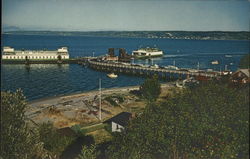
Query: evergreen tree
(18, 140)
(151, 89)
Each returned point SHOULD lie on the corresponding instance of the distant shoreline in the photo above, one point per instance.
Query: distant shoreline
(175, 35)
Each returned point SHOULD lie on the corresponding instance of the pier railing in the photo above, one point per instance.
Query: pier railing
(117, 67)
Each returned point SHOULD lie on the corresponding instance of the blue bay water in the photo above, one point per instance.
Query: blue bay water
(42, 80)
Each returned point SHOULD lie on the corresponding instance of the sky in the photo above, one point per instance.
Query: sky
(127, 15)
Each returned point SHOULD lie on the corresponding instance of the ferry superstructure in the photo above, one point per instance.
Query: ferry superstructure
(147, 52)
(11, 53)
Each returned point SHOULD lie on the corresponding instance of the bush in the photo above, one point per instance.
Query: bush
(53, 141)
(88, 152)
(210, 121)
(112, 99)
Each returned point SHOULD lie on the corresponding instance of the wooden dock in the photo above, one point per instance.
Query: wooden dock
(139, 70)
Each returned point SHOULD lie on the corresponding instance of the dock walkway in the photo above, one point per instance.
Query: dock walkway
(121, 68)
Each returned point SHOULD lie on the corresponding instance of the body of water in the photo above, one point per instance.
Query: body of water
(45, 80)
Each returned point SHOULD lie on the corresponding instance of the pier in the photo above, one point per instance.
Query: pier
(147, 71)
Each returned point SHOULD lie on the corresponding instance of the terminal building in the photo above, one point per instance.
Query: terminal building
(11, 53)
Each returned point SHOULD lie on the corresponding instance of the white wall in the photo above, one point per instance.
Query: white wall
(116, 127)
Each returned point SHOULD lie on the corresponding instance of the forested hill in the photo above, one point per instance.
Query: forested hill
(199, 35)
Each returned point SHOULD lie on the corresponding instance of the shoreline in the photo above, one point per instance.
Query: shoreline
(91, 92)
(83, 108)
(104, 90)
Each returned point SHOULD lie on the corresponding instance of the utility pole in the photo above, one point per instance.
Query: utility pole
(225, 67)
(93, 54)
(198, 66)
(100, 99)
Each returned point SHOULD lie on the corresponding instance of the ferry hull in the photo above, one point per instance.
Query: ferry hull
(146, 57)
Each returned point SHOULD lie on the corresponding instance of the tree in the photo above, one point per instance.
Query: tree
(244, 62)
(210, 121)
(151, 89)
(53, 141)
(18, 140)
(88, 152)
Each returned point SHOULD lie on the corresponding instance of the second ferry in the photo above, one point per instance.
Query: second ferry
(147, 53)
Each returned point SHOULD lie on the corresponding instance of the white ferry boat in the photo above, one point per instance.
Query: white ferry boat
(147, 52)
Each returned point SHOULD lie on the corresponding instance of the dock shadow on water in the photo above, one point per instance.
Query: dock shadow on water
(73, 150)
(27, 68)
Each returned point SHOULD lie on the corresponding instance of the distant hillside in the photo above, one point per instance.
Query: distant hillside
(199, 35)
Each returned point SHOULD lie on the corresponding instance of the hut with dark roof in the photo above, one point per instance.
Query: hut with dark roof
(119, 121)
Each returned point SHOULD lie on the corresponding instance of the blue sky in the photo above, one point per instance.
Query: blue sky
(96, 15)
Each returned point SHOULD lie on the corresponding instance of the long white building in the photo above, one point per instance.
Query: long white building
(11, 53)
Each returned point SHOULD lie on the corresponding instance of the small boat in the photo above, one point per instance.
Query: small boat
(228, 56)
(215, 62)
(112, 75)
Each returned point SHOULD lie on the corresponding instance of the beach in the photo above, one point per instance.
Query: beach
(83, 108)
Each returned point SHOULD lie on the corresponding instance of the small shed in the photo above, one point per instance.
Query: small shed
(240, 76)
(119, 121)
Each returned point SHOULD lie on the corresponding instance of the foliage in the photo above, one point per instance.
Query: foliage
(210, 121)
(114, 99)
(88, 152)
(92, 128)
(77, 129)
(151, 89)
(53, 141)
(18, 140)
(244, 61)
